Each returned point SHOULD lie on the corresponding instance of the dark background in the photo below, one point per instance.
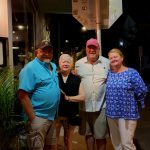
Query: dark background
(132, 27)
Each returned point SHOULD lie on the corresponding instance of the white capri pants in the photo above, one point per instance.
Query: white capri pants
(122, 133)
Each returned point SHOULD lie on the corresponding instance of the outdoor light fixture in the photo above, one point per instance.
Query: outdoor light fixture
(15, 47)
(20, 27)
(66, 41)
(121, 42)
(83, 29)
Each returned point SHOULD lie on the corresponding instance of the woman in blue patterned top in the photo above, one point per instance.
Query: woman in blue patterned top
(125, 88)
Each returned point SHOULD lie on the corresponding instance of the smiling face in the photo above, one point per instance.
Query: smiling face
(65, 63)
(92, 53)
(45, 55)
(116, 58)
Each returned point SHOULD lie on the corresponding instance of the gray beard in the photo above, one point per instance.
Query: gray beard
(47, 60)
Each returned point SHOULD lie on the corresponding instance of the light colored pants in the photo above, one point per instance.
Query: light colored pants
(122, 133)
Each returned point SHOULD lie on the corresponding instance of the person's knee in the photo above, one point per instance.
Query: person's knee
(101, 141)
(90, 138)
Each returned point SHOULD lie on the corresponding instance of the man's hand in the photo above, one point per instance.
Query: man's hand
(74, 72)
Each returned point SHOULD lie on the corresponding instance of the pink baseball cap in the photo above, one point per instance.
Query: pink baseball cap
(92, 41)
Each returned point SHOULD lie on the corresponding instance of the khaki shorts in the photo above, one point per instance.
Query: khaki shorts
(41, 132)
(95, 124)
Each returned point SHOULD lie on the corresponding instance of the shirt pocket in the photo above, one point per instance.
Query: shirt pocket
(101, 73)
(43, 82)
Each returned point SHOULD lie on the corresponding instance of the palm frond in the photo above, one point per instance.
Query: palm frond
(7, 93)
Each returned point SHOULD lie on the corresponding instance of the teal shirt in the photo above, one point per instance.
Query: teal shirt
(42, 86)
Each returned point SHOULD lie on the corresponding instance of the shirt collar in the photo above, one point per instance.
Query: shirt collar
(98, 61)
(42, 63)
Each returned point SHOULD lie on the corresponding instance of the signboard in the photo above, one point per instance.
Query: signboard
(85, 12)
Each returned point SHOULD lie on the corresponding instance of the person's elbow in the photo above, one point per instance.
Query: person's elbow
(82, 97)
(22, 95)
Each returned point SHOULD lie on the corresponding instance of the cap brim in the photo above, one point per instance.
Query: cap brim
(92, 45)
(46, 46)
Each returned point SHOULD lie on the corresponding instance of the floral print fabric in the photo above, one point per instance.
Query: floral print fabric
(122, 93)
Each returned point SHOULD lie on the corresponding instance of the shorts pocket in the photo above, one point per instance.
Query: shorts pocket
(34, 140)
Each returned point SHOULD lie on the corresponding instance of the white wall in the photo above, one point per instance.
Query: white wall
(6, 28)
(3, 18)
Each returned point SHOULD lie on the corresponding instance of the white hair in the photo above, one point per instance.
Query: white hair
(67, 56)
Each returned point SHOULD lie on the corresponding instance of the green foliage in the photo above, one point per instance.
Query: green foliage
(8, 97)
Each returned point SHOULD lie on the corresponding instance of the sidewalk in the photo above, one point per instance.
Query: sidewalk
(79, 142)
(142, 133)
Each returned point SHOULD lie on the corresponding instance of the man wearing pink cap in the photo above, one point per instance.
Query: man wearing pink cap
(93, 71)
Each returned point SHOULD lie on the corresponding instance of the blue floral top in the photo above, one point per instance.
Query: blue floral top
(122, 93)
